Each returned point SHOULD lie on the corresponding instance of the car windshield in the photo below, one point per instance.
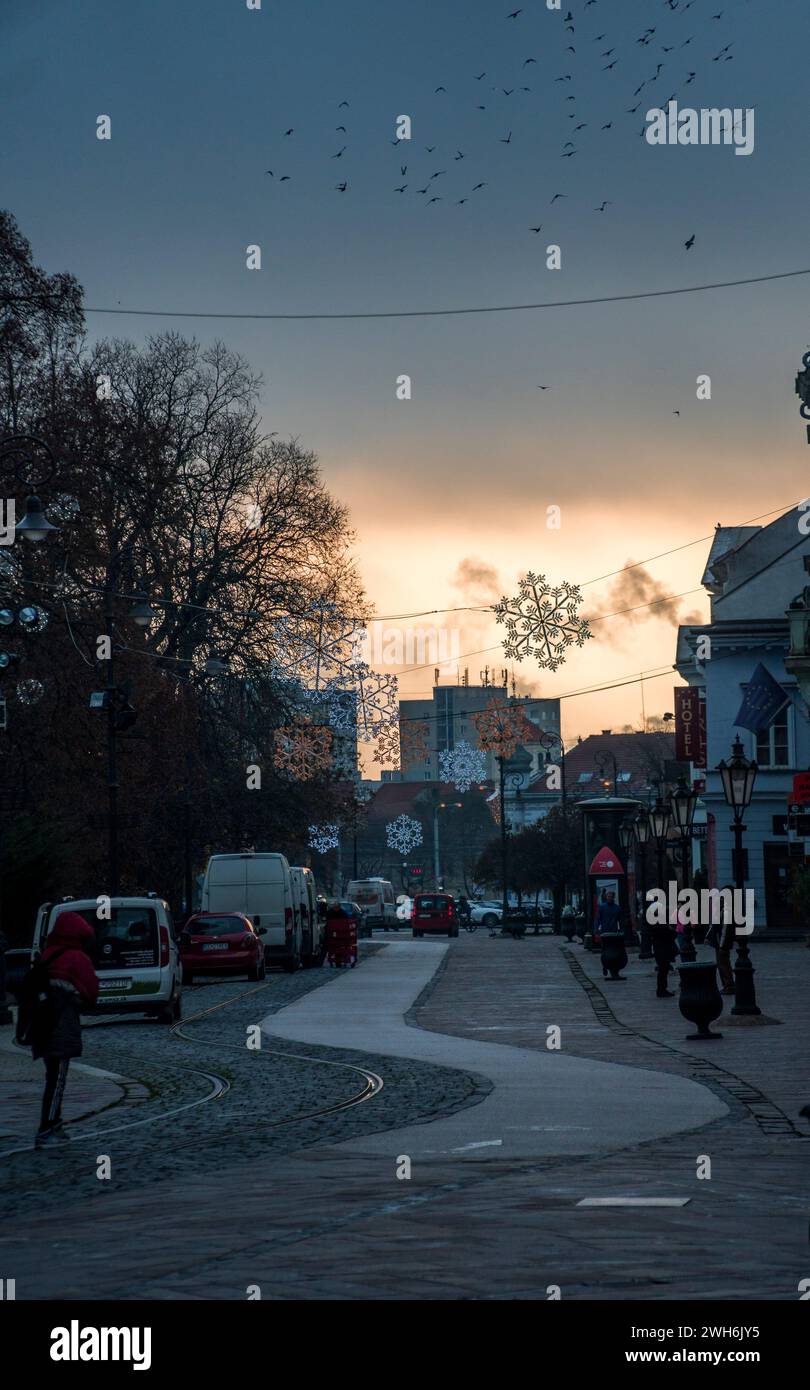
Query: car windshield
(367, 895)
(430, 904)
(216, 926)
(129, 939)
(348, 908)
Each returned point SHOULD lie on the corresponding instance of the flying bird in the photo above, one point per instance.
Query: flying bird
(342, 103)
(341, 187)
(690, 243)
(284, 178)
(341, 127)
(440, 89)
(508, 139)
(433, 200)
(507, 92)
(458, 155)
(542, 388)
(430, 148)
(477, 186)
(402, 189)
(536, 229)
(606, 204)
(514, 14)
(340, 152)
(609, 66)
(421, 190)
(676, 412)
(460, 201)
(403, 169)
(479, 76)
(609, 126)
(529, 60)
(289, 132)
(559, 195)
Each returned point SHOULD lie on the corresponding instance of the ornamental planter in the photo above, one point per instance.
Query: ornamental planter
(700, 999)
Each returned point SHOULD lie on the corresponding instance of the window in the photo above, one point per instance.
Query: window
(773, 744)
(128, 940)
(585, 777)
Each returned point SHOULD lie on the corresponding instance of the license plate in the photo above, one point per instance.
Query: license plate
(216, 946)
(115, 984)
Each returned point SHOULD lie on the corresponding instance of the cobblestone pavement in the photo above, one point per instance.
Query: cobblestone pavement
(303, 1217)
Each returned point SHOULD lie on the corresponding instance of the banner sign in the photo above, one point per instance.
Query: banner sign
(690, 726)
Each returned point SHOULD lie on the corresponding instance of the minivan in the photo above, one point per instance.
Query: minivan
(434, 912)
(375, 897)
(313, 933)
(260, 885)
(137, 960)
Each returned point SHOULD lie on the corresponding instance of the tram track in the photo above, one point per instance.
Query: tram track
(218, 1085)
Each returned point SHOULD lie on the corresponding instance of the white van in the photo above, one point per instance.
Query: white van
(137, 960)
(375, 898)
(313, 933)
(261, 886)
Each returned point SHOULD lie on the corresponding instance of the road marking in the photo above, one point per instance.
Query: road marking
(634, 1201)
(484, 1144)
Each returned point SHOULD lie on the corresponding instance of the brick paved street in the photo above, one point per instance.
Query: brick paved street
(317, 1210)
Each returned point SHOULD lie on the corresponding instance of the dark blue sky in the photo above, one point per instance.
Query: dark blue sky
(200, 93)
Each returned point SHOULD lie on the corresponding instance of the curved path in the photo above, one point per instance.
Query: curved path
(543, 1104)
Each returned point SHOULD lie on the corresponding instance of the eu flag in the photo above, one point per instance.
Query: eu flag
(764, 698)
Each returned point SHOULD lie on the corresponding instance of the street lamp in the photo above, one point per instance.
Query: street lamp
(683, 802)
(659, 821)
(141, 613)
(34, 526)
(738, 776)
(641, 830)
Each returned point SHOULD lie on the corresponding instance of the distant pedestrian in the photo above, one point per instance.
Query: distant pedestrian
(721, 936)
(664, 951)
(464, 911)
(58, 986)
(611, 934)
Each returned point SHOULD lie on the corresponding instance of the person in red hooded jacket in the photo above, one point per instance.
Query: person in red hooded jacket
(73, 985)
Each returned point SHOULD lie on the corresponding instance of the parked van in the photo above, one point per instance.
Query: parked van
(434, 912)
(313, 931)
(375, 897)
(261, 886)
(136, 958)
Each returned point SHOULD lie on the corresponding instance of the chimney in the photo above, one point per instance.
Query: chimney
(607, 731)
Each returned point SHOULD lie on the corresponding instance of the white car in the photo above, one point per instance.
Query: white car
(137, 960)
(487, 914)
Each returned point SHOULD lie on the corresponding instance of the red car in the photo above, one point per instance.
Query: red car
(220, 942)
(434, 912)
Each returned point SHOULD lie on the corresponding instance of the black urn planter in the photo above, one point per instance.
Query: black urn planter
(569, 928)
(700, 1000)
(614, 954)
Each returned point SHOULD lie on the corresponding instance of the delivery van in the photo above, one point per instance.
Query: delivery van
(261, 886)
(313, 932)
(136, 955)
(375, 897)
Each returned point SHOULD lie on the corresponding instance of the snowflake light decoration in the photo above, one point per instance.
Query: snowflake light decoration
(322, 838)
(462, 765)
(542, 621)
(319, 645)
(387, 748)
(502, 727)
(302, 751)
(413, 740)
(403, 834)
(376, 701)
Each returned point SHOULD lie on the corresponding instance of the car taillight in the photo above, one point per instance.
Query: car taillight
(288, 921)
(164, 946)
(248, 938)
(450, 910)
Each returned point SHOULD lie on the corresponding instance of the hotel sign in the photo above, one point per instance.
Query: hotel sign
(690, 726)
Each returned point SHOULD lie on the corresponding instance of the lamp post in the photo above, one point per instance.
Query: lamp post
(738, 776)
(683, 802)
(659, 819)
(545, 740)
(600, 759)
(627, 843)
(34, 528)
(641, 831)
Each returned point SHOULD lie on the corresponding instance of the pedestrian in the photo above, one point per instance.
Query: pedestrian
(611, 934)
(58, 986)
(464, 909)
(664, 951)
(721, 936)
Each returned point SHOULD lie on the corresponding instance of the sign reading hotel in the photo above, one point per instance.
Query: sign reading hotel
(690, 726)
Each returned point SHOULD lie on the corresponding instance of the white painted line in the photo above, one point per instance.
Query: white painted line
(634, 1201)
(484, 1144)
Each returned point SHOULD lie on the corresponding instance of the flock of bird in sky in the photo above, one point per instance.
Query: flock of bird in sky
(671, 52)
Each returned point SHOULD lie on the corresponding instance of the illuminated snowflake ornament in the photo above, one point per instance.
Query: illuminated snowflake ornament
(322, 838)
(386, 749)
(376, 701)
(303, 751)
(542, 621)
(413, 740)
(403, 834)
(462, 765)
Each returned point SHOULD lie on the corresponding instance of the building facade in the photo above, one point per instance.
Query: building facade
(752, 576)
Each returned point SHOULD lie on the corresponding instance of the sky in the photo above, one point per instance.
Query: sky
(449, 490)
